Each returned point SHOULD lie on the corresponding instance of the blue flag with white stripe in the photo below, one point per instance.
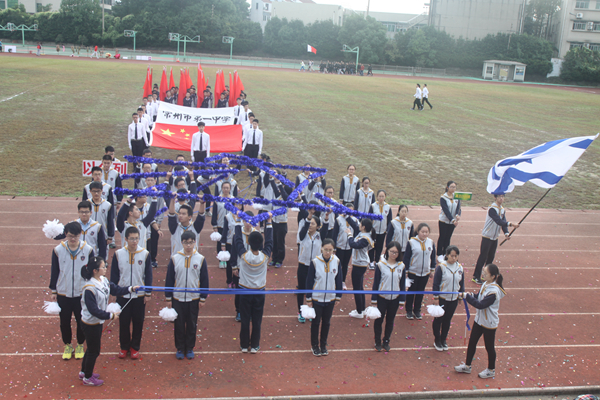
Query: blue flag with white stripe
(544, 165)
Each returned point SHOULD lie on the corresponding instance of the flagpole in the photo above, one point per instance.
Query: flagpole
(528, 212)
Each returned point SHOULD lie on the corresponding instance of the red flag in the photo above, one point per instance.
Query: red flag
(148, 83)
(163, 85)
(201, 85)
(171, 80)
(223, 139)
(231, 88)
(239, 86)
(182, 89)
(311, 49)
(218, 88)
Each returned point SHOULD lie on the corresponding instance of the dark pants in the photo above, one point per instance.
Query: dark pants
(133, 314)
(443, 242)
(426, 100)
(417, 103)
(344, 256)
(220, 230)
(152, 244)
(251, 150)
(279, 233)
(379, 241)
(418, 285)
(487, 252)
(323, 312)
(93, 336)
(186, 324)
(358, 274)
(199, 156)
(137, 149)
(229, 270)
(251, 309)
(441, 325)
(388, 310)
(68, 306)
(489, 336)
(302, 274)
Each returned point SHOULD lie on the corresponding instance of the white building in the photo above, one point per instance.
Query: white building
(35, 6)
(577, 24)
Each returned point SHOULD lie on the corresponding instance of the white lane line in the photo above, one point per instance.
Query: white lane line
(278, 288)
(12, 97)
(294, 316)
(370, 349)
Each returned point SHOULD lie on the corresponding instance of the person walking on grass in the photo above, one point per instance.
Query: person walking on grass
(418, 94)
(426, 97)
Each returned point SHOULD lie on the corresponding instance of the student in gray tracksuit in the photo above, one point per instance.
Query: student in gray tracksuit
(360, 261)
(449, 217)
(487, 303)
(449, 277)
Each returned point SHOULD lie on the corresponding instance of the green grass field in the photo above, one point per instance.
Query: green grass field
(71, 109)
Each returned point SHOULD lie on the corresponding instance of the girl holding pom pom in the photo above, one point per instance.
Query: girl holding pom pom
(360, 261)
(390, 275)
(93, 313)
(448, 277)
(323, 274)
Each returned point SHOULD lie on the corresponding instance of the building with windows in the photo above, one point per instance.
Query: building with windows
(577, 25)
(475, 19)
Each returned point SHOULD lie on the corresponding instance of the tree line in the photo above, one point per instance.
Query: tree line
(79, 22)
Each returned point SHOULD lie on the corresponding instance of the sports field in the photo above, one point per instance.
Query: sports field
(68, 109)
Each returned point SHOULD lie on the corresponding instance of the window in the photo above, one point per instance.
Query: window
(390, 27)
(2, 5)
(257, 6)
(597, 4)
(579, 26)
(38, 7)
(597, 26)
(582, 4)
(489, 70)
(595, 47)
(575, 46)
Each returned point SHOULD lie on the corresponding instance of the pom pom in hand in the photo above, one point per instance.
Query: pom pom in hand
(408, 282)
(113, 308)
(258, 206)
(168, 314)
(215, 236)
(435, 311)
(223, 256)
(51, 307)
(372, 313)
(53, 228)
(307, 312)
(296, 209)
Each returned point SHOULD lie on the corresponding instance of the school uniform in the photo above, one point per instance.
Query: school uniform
(227, 241)
(222, 103)
(218, 219)
(418, 94)
(93, 234)
(348, 188)
(450, 210)
(188, 102)
(236, 115)
(280, 226)
(360, 261)
(342, 249)
(207, 102)
(233, 183)
(323, 275)
(200, 148)
(486, 322)
(123, 224)
(177, 230)
(244, 119)
(253, 142)
(400, 231)
(93, 314)
(316, 187)
(67, 284)
(113, 178)
(107, 193)
(447, 278)
(363, 200)
(380, 227)
(131, 269)
(309, 247)
(388, 277)
(186, 272)
(137, 139)
(494, 222)
(425, 93)
(419, 259)
(103, 213)
(252, 271)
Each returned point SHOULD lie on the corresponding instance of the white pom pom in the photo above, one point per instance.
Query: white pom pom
(307, 312)
(215, 236)
(51, 307)
(113, 308)
(168, 314)
(223, 256)
(53, 228)
(296, 209)
(435, 311)
(408, 282)
(372, 313)
(258, 206)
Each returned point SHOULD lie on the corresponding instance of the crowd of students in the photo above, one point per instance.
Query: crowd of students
(402, 255)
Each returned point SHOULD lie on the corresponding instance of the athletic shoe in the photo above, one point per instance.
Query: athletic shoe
(316, 351)
(244, 349)
(344, 286)
(82, 375)
(135, 354)
(112, 246)
(487, 373)
(238, 317)
(412, 109)
(372, 265)
(254, 350)
(92, 382)
(463, 368)
(410, 315)
(68, 352)
(378, 347)
(190, 354)
(438, 346)
(418, 315)
(301, 319)
(154, 264)
(79, 352)
(277, 265)
(208, 214)
(271, 263)
(445, 345)
(222, 264)
(355, 314)
(122, 353)
(179, 355)
(477, 281)
(324, 351)
(386, 346)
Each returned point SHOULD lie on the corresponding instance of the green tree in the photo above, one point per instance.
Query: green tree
(271, 40)
(368, 34)
(80, 18)
(539, 15)
(581, 65)
(323, 35)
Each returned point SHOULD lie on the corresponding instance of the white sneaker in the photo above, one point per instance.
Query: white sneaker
(356, 314)
(463, 368)
(372, 265)
(344, 287)
(487, 373)
(440, 258)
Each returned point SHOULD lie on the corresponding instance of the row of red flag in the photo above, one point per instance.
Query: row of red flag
(185, 82)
